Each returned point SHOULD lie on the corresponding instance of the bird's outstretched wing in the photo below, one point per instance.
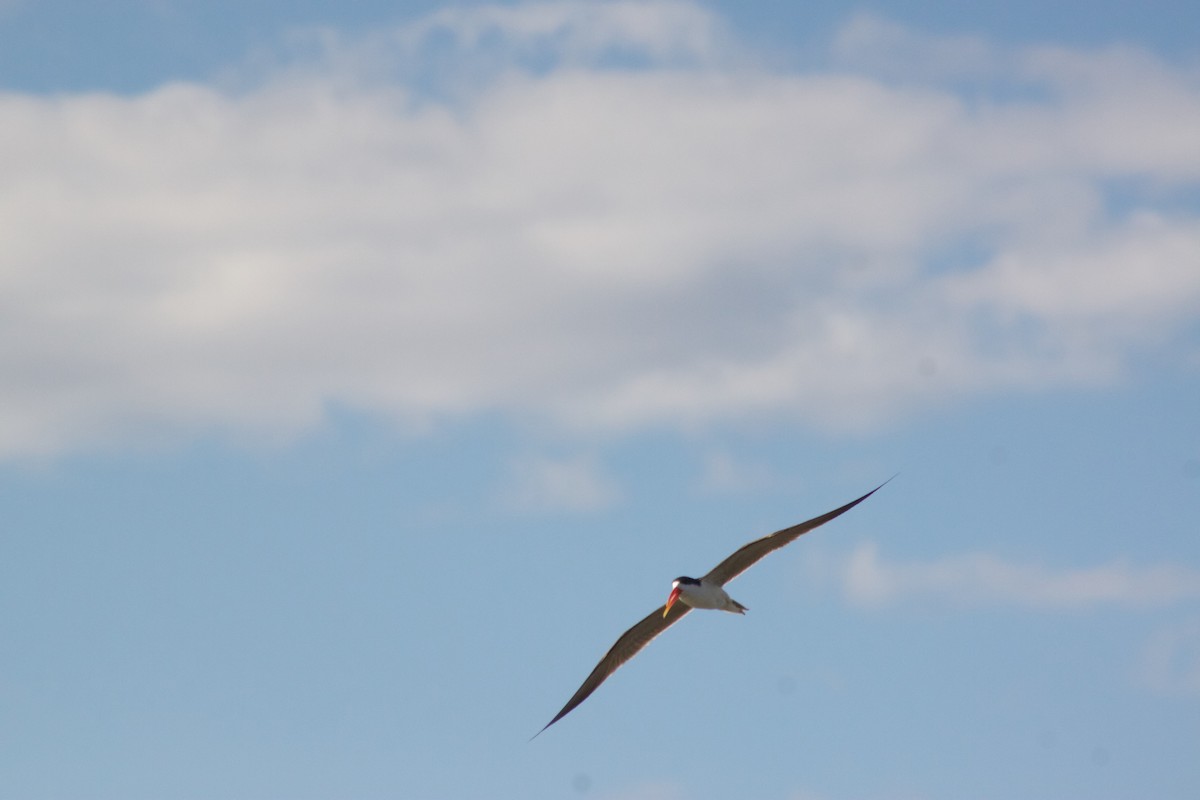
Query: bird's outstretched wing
(640, 634)
(625, 648)
(747, 555)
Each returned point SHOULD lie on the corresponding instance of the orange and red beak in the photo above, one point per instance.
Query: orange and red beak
(671, 600)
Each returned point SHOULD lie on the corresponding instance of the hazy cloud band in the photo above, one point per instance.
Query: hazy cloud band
(607, 216)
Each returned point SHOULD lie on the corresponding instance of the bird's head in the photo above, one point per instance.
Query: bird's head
(675, 591)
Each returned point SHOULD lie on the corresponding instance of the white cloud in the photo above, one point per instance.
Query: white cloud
(1170, 663)
(874, 44)
(901, 795)
(724, 472)
(1153, 262)
(574, 29)
(982, 579)
(540, 484)
(622, 221)
(652, 790)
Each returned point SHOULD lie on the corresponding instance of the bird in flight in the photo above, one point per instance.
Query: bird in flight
(688, 593)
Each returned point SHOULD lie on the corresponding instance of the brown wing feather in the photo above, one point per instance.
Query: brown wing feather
(747, 555)
(625, 648)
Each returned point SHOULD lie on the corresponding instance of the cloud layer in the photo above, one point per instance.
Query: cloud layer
(981, 579)
(607, 216)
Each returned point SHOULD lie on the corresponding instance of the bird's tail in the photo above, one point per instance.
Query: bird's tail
(738, 608)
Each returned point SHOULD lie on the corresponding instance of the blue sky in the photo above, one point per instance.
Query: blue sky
(368, 368)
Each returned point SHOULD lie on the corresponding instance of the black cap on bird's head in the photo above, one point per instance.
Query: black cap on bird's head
(682, 580)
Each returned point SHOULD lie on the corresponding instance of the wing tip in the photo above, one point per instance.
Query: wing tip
(838, 512)
(566, 710)
(880, 486)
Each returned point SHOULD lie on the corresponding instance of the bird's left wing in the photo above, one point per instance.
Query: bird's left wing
(747, 555)
(624, 649)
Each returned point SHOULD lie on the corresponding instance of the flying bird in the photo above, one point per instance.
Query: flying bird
(688, 593)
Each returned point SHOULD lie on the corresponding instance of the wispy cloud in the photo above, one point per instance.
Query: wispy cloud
(572, 30)
(622, 221)
(724, 472)
(575, 483)
(982, 579)
(652, 790)
(1170, 663)
(893, 794)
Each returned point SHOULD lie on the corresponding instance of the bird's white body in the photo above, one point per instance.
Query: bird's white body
(704, 594)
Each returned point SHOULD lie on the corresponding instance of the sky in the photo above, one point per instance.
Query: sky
(368, 367)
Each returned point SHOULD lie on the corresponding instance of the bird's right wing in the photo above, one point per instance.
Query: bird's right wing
(625, 648)
(747, 555)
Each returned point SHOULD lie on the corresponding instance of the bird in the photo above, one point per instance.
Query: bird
(687, 593)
